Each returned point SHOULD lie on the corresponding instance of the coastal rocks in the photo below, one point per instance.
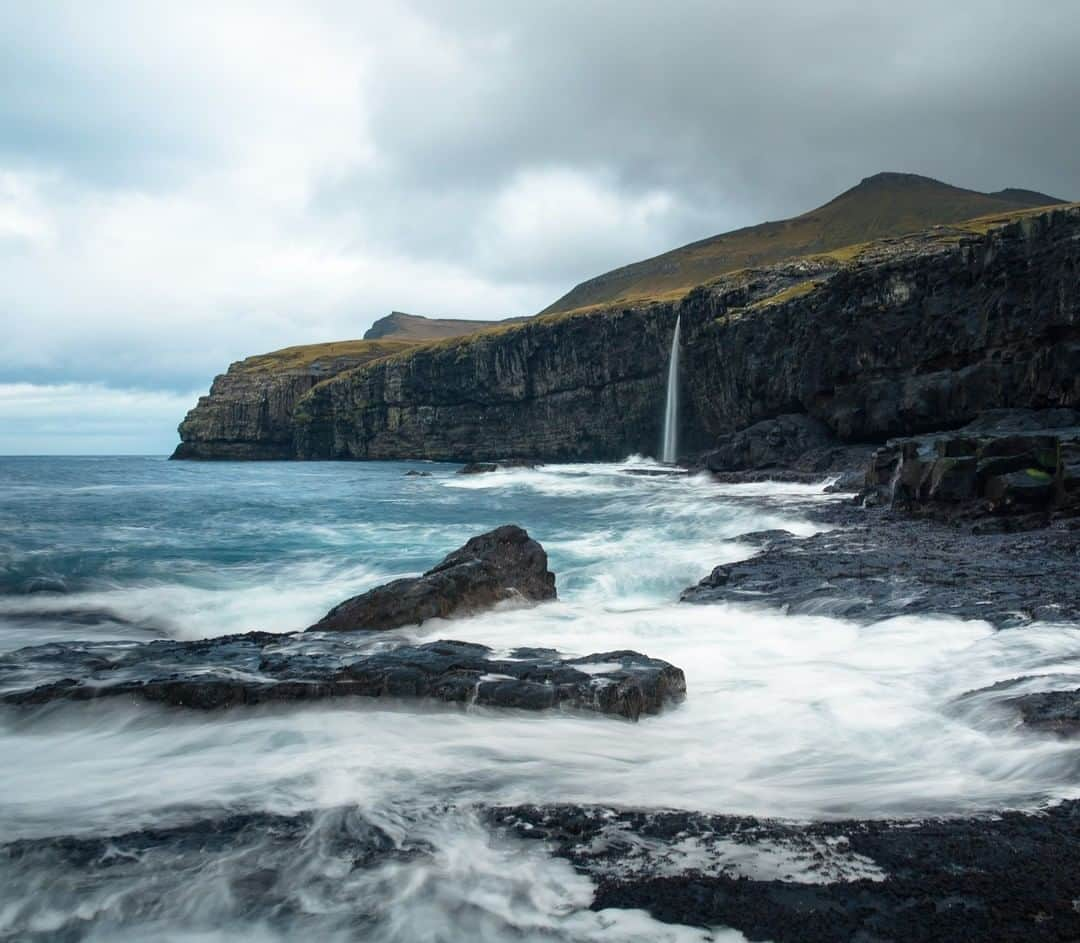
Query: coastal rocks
(878, 566)
(481, 468)
(769, 443)
(1051, 711)
(1007, 461)
(1010, 877)
(500, 565)
(260, 668)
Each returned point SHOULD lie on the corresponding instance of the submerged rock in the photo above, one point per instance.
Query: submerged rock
(505, 563)
(260, 667)
(481, 468)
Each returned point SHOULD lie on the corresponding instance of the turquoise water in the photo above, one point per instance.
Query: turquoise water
(793, 716)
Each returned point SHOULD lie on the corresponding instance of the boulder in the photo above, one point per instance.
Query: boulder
(505, 563)
(1026, 488)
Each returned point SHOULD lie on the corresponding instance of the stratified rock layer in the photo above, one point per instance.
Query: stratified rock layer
(903, 336)
(503, 564)
(259, 668)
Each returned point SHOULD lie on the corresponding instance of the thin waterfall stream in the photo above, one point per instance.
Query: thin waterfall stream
(669, 452)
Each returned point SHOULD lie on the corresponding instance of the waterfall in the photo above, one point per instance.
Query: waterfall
(671, 408)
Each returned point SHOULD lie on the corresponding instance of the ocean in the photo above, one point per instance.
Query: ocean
(244, 825)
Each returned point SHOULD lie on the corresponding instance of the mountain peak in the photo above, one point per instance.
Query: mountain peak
(885, 204)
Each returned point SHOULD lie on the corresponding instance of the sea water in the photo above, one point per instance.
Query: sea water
(793, 716)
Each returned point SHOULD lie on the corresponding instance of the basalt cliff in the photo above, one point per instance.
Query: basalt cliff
(896, 336)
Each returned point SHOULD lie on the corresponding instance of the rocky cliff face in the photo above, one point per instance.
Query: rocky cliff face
(584, 387)
(249, 411)
(915, 334)
(900, 336)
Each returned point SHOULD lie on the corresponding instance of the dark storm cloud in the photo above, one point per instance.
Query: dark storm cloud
(184, 184)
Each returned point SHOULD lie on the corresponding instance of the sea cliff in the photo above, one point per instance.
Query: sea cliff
(893, 337)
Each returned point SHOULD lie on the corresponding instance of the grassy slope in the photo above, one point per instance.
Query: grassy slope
(845, 250)
(303, 356)
(880, 206)
(400, 326)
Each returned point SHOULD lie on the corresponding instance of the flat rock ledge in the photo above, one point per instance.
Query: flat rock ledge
(877, 565)
(503, 564)
(1005, 877)
(261, 667)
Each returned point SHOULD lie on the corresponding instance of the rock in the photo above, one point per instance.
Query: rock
(413, 473)
(953, 479)
(1004, 877)
(502, 564)
(1010, 461)
(480, 468)
(1051, 711)
(261, 667)
(1032, 486)
(878, 566)
(770, 443)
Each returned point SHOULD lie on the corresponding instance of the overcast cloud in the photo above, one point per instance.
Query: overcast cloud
(184, 184)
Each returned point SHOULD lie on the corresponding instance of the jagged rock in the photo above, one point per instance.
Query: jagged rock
(502, 564)
(261, 667)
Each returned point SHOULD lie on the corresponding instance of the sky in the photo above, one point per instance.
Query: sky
(186, 184)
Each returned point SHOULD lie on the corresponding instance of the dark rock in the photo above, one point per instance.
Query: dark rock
(502, 564)
(883, 566)
(1010, 878)
(1032, 486)
(1052, 711)
(480, 468)
(1009, 461)
(413, 473)
(260, 668)
(770, 443)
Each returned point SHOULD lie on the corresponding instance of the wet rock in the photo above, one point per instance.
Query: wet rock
(1011, 878)
(502, 564)
(413, 473)
(770, 443)
(879, 565)
(480, 468)
(1011, 461)
(1051, 711)
(260, 668)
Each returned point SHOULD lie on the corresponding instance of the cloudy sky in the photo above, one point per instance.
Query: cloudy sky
(184, 184)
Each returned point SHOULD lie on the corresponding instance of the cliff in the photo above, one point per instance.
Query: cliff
(249, 410)
(896, 336)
